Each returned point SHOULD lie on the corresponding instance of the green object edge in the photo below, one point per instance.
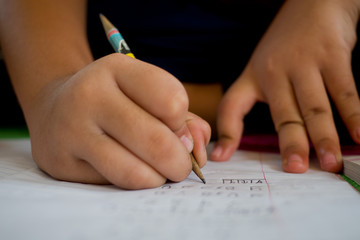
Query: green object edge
(14, 133)
(352, 182)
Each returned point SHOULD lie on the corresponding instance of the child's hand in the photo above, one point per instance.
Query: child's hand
(305, 54)
(118, 120)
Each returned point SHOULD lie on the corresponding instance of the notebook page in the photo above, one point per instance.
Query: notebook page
(248, 197)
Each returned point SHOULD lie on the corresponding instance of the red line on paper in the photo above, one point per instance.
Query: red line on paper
(267, 184)
(280, 229)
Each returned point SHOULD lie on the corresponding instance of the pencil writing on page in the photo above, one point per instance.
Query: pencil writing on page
(118, 43)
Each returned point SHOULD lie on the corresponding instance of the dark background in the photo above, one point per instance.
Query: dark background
(186, 48)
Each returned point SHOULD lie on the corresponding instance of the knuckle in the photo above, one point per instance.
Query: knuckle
(113, 60)
(135, 179)
(348, 96)
(270, 67)
(57, 168)
(177, 104)
(160, 147)
(341, 48)
(175, 162)
(353, 117)
(324, 142)
(340, 51)
(182, 168)
(287, 123)
(314, 112)
(83, 88)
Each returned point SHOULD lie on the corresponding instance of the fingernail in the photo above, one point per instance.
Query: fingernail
(217, 152)
(295, 161)
(189, 143)
(328, 161)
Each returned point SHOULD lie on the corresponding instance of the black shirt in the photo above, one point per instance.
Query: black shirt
(200, 41)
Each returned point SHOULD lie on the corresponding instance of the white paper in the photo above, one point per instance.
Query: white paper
(248, 197)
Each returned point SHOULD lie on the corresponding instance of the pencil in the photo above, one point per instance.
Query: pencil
(118, 43)
(115, 38)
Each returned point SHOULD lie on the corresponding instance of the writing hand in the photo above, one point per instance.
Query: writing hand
(305, 54)
(118, 120)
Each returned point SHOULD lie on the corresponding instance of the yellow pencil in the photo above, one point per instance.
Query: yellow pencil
(118, 43)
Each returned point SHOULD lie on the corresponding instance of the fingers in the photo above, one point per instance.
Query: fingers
(293, 140)
(341, 86)
(144, 111)
(301, 112)
(294, 67)
(123, 168)
(200, 131)
(236, 103)
(72, 170)
(119, 120)
(139, 80)
(119, 166)
(145, 136)
(317, 115)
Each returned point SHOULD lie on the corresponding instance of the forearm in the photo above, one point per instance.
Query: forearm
(42, 41)
(352, 6)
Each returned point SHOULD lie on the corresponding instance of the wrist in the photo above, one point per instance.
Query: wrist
(37, 99)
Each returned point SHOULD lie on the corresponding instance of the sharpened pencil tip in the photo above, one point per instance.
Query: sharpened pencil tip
(106, 23)
(102, 17)
(196, 168)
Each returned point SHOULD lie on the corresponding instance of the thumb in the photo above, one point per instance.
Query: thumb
(236, 103)
(200, 131)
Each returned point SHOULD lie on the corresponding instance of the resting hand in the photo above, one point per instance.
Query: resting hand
(305, 54)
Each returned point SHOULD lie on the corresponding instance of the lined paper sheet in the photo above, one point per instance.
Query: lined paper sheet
(248, 197)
